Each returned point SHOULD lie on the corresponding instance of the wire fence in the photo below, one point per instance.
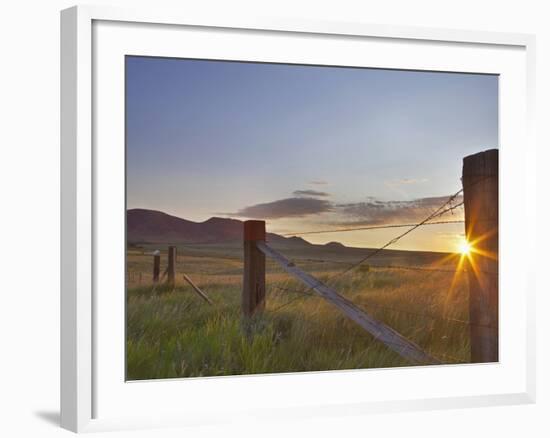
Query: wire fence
(287, 285)
(373, 227)
(446, 207)
(449, 206)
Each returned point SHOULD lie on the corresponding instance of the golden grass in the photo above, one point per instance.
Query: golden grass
(176, 334)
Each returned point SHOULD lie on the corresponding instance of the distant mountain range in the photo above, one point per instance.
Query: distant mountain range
(151, 226)
(155, 227)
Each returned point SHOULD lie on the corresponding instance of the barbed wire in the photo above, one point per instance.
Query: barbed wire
(435, 214)
(398, 310)
(299, 297)
(441, 210)
(421, 268)
(418, 268)
(373, 227)
(401, 267)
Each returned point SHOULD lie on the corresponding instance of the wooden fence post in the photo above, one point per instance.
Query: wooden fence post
(156, 268)
(480, 184)
(253, 298)
(172, 254)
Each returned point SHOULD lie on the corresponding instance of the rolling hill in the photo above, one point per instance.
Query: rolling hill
(154, 229)
(151, 226)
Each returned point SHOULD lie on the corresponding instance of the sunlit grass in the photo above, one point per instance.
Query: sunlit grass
(176, 334)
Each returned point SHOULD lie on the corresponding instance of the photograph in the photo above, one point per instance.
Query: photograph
(286, 218)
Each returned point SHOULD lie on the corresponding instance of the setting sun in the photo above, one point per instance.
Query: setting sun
(464, 247)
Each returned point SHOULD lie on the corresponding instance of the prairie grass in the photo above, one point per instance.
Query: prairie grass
(174, 333)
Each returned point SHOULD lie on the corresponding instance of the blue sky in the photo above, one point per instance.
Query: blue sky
(303, 147)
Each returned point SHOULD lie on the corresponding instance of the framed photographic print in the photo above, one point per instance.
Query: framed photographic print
(253, 209)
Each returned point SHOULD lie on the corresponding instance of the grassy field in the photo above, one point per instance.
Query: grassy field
(174, 333)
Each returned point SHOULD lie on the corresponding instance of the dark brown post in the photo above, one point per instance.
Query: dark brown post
(253, 299)
(172, 254)
(156, 268)
(480, 183)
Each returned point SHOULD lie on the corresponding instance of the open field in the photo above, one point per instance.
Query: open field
(177, 334)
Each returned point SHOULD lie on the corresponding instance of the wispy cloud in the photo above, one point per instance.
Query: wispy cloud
(318, 182)
(313, 193)
(404, 182)
(370, 212)
(285, 208)
(376, 212)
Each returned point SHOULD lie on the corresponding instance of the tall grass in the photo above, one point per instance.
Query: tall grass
(176, 334)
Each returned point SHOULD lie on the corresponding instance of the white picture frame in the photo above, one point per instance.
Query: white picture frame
(83, 376)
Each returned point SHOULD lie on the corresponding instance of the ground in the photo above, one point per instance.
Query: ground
(175, 333)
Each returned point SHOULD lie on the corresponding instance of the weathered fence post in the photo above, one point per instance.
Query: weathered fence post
(480, 184)
(156, 268)
(172, 254)
(253, 298)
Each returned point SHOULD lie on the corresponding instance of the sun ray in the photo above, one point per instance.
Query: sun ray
(458, 272)
(484, 253)
(444, 261)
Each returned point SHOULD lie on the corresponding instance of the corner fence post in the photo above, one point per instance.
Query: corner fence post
(156, 268)
(480, 184)
(172, 254)
(253, 297)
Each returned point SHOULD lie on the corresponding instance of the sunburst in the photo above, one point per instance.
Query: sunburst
(464, 247)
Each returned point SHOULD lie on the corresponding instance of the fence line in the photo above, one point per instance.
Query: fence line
(400, 267)
(482, 167)
(373, 227)
(391, 309)
(483, 294)
(378, 329)
(435, 214)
